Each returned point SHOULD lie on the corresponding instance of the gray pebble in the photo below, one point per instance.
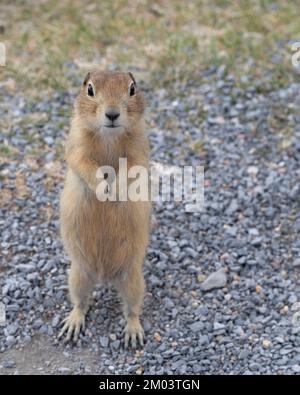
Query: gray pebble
(214, 280)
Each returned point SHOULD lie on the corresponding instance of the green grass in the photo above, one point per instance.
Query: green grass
(5, 150)
(168, 40)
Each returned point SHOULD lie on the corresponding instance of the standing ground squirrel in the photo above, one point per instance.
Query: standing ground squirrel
(105, 240)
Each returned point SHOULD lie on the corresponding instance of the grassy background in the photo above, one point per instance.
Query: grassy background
(51, 43)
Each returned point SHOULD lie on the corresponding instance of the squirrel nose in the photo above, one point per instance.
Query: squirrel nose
(112, 114)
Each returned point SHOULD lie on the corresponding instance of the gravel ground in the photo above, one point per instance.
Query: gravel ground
(245, 318)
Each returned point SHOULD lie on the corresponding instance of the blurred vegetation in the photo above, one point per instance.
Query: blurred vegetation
(52, 42)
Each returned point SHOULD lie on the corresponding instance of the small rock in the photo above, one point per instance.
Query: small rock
(104, 341)
(139, 371)
(296, 263)
(201, 278)
(266, 343)
(218, 326)
(256, 242)
(254, 367)
(196, 326)
(296, 368)
(64, 370)
(55, 321)
(216, 121)
(113, 337)
(47, 267)
(49, 140)
(10, 340)
(157, 337)
(232, 208)
(38, 323)
(26, 268)
(252, 171)
(253, 232)
(10, 364)
(244, 354)
(215, 280)
(116, 344)
(12, 329)
(284, 310)
(203, 340)
(258, 289)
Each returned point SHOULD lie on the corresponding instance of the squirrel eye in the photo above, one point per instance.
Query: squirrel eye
(132, 89)
(90, 90)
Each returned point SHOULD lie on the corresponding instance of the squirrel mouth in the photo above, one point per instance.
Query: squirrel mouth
(112, 126)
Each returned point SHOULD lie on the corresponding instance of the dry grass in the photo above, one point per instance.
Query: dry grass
(48, 41)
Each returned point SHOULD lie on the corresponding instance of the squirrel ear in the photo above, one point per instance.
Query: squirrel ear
(132, 77)
(87, 77)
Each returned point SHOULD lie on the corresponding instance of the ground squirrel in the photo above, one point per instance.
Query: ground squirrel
(106, 241)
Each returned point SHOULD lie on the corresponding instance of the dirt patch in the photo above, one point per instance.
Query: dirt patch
(41, 357)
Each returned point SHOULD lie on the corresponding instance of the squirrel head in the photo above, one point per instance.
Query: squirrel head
(110, 102)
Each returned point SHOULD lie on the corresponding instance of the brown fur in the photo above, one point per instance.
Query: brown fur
(106, 241)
